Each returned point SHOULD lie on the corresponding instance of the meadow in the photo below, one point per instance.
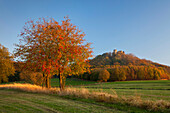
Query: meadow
(14, 100)
(146, 89)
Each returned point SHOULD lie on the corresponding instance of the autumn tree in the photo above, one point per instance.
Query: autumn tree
(51, 48)
(104, 75)
(6, 64)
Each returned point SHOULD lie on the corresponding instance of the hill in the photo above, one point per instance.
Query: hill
(121, 58)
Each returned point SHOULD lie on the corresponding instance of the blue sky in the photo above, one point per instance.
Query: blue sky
(141, 27)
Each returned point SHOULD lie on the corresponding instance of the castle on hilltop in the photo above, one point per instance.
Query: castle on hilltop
(117, 52)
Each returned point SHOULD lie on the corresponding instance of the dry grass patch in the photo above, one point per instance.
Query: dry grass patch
(97, 96)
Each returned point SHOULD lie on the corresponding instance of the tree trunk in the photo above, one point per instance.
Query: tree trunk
(47, 84)
(43, 81)
(61, 82)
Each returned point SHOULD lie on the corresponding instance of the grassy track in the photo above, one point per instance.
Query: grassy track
(19, 101)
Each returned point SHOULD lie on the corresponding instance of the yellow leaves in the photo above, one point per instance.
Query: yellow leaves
(6, 64)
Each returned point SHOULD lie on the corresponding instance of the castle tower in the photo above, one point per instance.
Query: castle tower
(115, 51)
(121, 51)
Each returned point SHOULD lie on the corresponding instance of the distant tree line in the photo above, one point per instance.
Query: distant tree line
(121, 73)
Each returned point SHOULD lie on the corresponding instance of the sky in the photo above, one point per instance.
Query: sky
(140, 27)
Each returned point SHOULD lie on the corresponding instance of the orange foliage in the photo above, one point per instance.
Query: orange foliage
(53, 48)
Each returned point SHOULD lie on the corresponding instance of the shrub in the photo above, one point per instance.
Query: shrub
(32, 77)
(104, 75)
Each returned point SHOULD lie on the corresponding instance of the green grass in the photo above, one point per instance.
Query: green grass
(71, 82)
(150, 84)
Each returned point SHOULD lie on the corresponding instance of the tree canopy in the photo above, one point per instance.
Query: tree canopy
(52, 48)
(6, 64)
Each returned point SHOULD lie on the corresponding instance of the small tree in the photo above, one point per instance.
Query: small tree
(6, 64)
(52, 48)
(104, 75)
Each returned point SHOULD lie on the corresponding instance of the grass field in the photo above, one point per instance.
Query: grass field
(19, 101)
(148, 89)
